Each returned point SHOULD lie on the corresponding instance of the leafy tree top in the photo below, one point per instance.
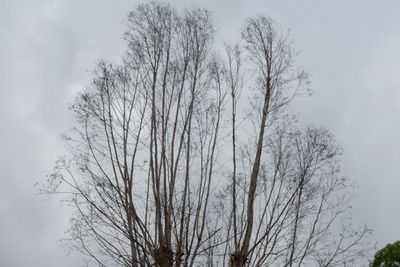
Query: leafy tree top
(388, 256)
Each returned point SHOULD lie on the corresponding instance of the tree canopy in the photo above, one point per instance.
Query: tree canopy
(389, 256)
(186, 155)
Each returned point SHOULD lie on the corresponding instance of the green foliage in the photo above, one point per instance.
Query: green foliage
(389, 256)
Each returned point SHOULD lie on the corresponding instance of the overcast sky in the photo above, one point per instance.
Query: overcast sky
(49, 47)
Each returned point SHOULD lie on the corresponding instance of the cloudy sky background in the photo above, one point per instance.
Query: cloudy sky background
(49, 47)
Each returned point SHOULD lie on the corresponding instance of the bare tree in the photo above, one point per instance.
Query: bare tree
(181, 157)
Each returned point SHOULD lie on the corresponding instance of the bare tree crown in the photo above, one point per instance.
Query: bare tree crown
(184, 156)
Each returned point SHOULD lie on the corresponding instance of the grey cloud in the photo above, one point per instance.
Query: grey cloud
(48, 48)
